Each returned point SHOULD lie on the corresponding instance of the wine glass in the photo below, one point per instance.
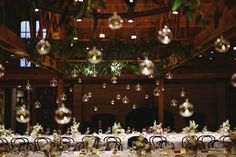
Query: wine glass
(108, 130)
(128, 130)
(87, 131)
(99, 131)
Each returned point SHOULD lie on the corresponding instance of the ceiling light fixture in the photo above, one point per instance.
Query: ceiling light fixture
(175, 12)
(133, 37)
(36, 9)
(102, 35)
(79, 20)
(234, 48)
(130, 20)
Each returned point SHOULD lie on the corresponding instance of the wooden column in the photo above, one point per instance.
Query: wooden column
(77, 103)
(160, 106)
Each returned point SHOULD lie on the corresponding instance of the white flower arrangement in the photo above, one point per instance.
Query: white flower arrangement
(74, 128)
(225, 127)
(117, 129)
(157, 128)
(192, 126)
(4, 131)
(37, 130)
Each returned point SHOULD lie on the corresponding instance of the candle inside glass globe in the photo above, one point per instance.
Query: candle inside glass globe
(53, 82)
(156, 92)
(43, 47)
(74, 73)
(114, 80)
(28, 86)
(112, 102)
(138, 87)
(182, 93)
(104, 85)
(2, 70)
(165, 35)
(37, 104)
(115, 21)
(134, 106)
(173, 102)
(125, 100)
(22, 114)
(95, 108)
(233, 80)
(147, 67)
(118, 96)
(186, 109)
(63, 97)
(89, 94)
(221, 45)
(169, 76)
(94, 56)
(127, 86)
(63, 115)
(85, 98)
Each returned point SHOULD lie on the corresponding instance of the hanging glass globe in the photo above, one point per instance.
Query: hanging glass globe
(173, 102)
(95, 108)
(70, 89)
(186, 109)
(85, 98)
(138, 87)
(233, 80)
(94, 56)
(94, 73)
(157, 82)
(43, 47)
(114, 80)
(115, 21)
(22, 114)
(53, 82)
(147, 67)
(125, 100)
(127, 87)
(112, 102)
(2, 70)
(63, 115)
(74, 73)
(57, 101)
(169, 76)
(104, 85)
(79, 80)
(89, 94)
(134, 106)
(63, 97)
(156, 92)
(146, 96)
(182, 93)
(222, 45)
(165, 35)
(118, 96)
(28, 86)
(37, 104)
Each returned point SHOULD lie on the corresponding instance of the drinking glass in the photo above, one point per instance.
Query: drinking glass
(87, 131)
(99, 131)
(128, 130)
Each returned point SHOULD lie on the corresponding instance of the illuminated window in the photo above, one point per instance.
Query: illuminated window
(25, 29)
(25, 63)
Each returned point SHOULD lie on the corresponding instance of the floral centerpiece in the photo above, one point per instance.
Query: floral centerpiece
(5, 132)
(141, 146)
(37, 130)
(156, 128)
(89, 145)
(232, 145)
(191, 129)
(74, 128)
(55, 148)
(225, 127)
(117, 129)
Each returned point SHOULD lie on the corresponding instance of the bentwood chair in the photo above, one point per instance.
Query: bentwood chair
(40, 141)
(96, 141)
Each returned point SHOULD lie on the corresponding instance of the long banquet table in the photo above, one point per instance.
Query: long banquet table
(175, 138)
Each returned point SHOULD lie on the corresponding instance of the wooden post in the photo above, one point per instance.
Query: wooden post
(161, 103)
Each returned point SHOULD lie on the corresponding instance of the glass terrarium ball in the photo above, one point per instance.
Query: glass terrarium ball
(147, 67)
(63, 97)
(63, 115)
(118, 96)
(2, 70)
(156, 92)
(37, 104)
(125, 100)
(169, 76)
(85, 98)
(43, 47)
(114, 80)
(221, 45)
(112, 102)
(138, 87)
(53, 82)
(94, 56)
(22, 114)
(115, 21)
(233, 80)
(173, 102)
(104, 85)
(165, 35)
(95, 108)
(186, 109)
(74, 73)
